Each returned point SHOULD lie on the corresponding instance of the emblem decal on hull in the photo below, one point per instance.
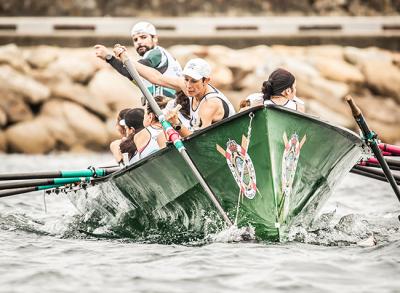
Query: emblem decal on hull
(241, 166)
(290, 158)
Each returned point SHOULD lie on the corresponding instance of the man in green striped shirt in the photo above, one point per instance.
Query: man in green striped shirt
(145, 41)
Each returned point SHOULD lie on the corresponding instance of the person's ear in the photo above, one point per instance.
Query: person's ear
(155, 40)
(207, 80)
(287, 91)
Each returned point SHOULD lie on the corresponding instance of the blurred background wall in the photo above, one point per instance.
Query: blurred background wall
(198, 7)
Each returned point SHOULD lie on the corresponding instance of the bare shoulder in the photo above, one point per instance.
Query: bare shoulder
(141, 137)
(213, 103)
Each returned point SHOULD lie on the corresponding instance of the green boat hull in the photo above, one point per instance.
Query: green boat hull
(269, 168)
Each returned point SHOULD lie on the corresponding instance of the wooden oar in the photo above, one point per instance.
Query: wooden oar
(9, 192)
(373, 173)
(393, 149)
(372, 162)
(371, 140)
(61, 182)
(173, 135)
(368, 174)
(41, 182)
(91, 172)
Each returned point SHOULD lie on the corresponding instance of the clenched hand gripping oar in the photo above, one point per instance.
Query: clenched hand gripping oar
(172, 134)
(371, 140)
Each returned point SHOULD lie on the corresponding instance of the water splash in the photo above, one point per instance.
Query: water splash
(233, 234)
(351, 229)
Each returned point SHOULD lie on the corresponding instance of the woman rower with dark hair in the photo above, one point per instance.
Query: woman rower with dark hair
(114, 145)
(279, 89)
(132, 123)
(152, 137)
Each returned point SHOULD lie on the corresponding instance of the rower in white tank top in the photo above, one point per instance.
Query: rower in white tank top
(257, 98)
(290, 104)
(195, 120)
(151, 146)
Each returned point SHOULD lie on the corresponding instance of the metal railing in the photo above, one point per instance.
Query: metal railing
(106, 26)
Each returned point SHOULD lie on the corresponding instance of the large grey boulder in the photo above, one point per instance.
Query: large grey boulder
(33, 91)
(41, 56)
(14, 106)
(115, 90)
(325, 113)
(337, 69)
(30, 137)
(10, 54)
(75, 124)
(3, 142)
(327, 92)
(3, 118)
(383, 78)
(81, 95)
(77, 66)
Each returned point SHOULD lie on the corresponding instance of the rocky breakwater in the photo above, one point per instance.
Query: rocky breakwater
(66, 99)
(59, 99)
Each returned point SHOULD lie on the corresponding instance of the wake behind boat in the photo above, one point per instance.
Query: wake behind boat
(269, 168)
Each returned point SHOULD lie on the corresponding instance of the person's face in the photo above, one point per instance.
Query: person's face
(148, 118)
(290, 93)
(120, 128)
(195, 88)
(144, 43)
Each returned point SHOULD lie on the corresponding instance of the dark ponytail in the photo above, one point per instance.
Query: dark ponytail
(277, 82)
(267, 90)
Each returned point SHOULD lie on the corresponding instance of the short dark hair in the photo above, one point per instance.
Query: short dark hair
(134, 118)
(121, 114)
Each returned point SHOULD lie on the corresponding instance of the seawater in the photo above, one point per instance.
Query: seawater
(353, 246)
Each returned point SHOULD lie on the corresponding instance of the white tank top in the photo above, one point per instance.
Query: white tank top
(290, 104)
(195, 120)
(151, 146)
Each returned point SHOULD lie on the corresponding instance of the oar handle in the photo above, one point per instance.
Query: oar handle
(354, 108)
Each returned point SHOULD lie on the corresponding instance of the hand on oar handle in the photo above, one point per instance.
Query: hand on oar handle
(101, 51)
(172, 115)
(119, 50)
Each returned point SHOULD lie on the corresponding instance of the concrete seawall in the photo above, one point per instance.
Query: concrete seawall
(234, 32)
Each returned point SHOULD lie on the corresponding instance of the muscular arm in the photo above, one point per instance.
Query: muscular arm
(210, 112)
(156, 77)
(151, 74)
(102, 52)
(119, 66)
